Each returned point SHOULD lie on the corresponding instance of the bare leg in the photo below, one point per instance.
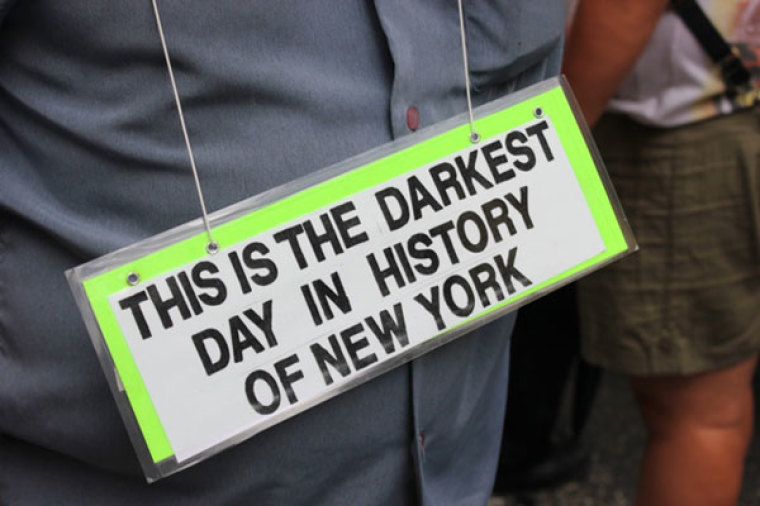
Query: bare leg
(699, 429)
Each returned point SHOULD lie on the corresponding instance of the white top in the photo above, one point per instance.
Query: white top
(674, 81)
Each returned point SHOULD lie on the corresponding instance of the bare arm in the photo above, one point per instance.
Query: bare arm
(605, 40)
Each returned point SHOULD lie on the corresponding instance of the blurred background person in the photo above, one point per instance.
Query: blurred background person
(681, 140)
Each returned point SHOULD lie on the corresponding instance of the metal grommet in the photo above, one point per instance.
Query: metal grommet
(133, 278)
(212, 248)
(538, 112)
(474, 137)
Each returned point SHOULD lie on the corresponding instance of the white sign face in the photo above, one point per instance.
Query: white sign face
(278, 320)
(337, 282)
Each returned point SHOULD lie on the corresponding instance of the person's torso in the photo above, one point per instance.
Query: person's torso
(674, 81)
(92, 159)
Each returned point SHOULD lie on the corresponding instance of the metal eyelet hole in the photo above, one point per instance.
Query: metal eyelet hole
(212, 248)
(538, 112)
(133, 279)
(474, 137)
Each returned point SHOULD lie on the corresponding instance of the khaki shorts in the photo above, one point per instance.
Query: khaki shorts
(689, 300)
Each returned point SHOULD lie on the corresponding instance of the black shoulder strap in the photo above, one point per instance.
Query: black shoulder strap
(735, 74)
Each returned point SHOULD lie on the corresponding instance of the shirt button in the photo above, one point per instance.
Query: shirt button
(413, 118)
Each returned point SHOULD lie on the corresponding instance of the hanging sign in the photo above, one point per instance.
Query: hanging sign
(329, 281)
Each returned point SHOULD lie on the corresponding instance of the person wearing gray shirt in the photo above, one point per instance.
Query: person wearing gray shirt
(92, 160)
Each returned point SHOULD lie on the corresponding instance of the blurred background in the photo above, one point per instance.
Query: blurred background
(614, 437)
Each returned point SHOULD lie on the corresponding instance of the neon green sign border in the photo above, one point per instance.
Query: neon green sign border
(554, 104)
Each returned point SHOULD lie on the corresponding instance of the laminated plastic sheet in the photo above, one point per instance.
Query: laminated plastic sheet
(328, 281)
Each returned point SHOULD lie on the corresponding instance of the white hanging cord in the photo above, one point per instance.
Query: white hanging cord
(212, 246)
(474, 135)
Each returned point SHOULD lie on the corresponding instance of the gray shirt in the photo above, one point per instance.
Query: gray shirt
(92, 159)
